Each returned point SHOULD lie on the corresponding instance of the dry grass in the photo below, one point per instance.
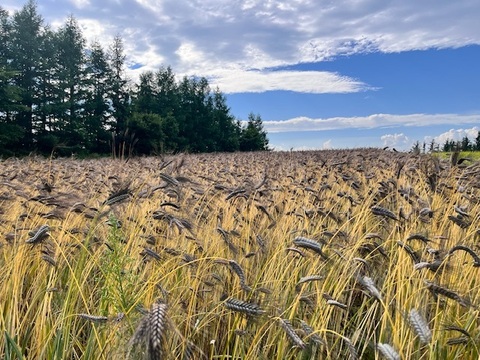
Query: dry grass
(304, 255)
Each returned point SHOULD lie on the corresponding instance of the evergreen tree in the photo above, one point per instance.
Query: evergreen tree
(193, 124)
(253, 136)
(10, 132)
(24, 58)
(97, 108)
(47, 118)
(167, 95)
(5, 36)
(224, 126)
(10, 94)
(186, 114)
(145, 97)
(119, 93)
(147, 134)
(71, 87)
(465, 144)
(446, 146)
(477, 142)
(56, 94)
(145, 122)
(416, 148)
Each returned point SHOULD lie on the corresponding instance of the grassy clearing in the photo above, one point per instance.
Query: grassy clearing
(307, 255)
(470, 156)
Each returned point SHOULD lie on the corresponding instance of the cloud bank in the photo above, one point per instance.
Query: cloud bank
(368, 122)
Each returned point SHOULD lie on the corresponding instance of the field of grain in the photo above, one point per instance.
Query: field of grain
(360, 254)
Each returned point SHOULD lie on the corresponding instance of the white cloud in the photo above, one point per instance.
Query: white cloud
(203, 36)
(93, 30)
(455, 135)
(395, 140)
(231, 81)
(368, 122)
(80, 3)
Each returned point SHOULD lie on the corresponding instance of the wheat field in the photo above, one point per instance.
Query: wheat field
(338, 254)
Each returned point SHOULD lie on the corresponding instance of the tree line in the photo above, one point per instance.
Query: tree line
(57, 93)
(465, 144)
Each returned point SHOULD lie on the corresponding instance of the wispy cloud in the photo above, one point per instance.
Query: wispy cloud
(368, 122)
(300, 81)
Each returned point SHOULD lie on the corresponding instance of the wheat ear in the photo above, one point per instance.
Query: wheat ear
(39, 235)
(369, 285)
(388, 352)
(242, 306)
(93, 318)
(311, 335)
(378, 210)
(292, 335)
(241, 275)
(155, 329)
(310, 244)
(437, 289)
(420, 326)
(476, 258)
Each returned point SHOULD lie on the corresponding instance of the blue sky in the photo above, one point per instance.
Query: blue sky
(321, 73)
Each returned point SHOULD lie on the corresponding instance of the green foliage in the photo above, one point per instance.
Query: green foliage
(117, 274)
(12, 351)
(463, 145)
(10, 135)
(58, 93)
(150, 129)
(253, 137)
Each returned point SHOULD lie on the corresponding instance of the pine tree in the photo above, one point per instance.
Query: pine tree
(97, 108)
(465, 144)
(71, 87)
(225, 127)
(25, 42)
(119, 93)
(253, 136)
(56, 94)
(416, 148)
(46, 112)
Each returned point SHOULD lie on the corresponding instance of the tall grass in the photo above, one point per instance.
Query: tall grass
(229, 256)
